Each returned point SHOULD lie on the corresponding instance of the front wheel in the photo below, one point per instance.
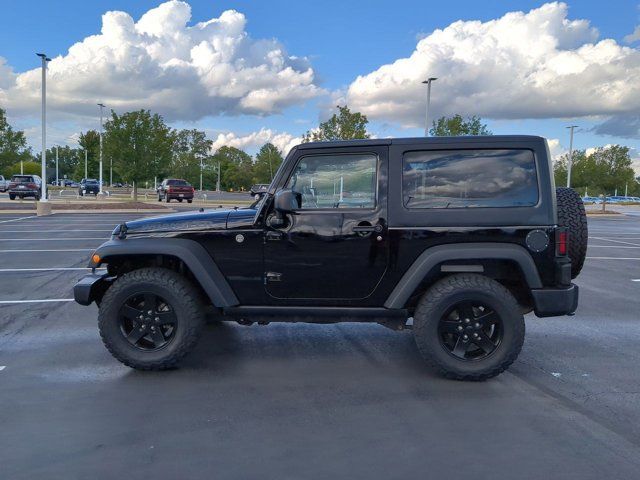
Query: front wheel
(12, 196)
(468, 327)
(151, 318)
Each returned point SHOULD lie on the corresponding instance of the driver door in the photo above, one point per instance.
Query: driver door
(333, 249)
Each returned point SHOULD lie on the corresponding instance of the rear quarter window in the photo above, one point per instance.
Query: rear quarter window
(469, 178)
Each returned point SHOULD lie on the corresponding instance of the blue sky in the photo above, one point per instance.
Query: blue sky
(340, 41)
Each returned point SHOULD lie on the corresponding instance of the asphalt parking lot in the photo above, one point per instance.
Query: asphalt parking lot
(309, 401)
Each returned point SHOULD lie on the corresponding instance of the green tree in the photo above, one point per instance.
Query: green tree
(267, 162)
(236, 169)
(29, 167)
(601, 172)
(190, 151)
(140, 144)
(89, 142)
(13, 145)
(457, 126)
(344, 125)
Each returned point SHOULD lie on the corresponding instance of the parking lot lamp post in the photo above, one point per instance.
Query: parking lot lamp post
(570, 163)
(218, 182)
(201, 167)
(426, 119)
(57, 181)
(45, 59)
(101, 107)
(85, 163)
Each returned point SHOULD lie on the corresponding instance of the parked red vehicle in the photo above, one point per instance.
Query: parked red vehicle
(175, 189)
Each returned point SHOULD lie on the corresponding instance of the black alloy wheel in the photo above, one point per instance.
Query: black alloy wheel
(470, 331)
(147, 321)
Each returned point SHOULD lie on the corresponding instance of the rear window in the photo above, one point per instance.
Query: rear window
(22, 179)
(90, 180)
(178, 183)
(469, 178)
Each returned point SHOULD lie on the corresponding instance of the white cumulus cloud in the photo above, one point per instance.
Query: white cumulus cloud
(282, 140)
(164, 63)
(539, 64)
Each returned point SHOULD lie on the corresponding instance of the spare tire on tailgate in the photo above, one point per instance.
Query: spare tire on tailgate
(571, 215)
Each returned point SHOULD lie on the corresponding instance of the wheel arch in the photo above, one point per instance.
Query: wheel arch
(434, 259)
(194, 256)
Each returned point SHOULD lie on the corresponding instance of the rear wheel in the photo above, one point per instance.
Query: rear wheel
(167, 199)
(189, 200)
(468, 327)
(12, 196)
(151, 318)
(571, 214)
(159, 198)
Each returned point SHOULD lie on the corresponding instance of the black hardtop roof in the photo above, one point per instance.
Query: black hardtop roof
(422, 140)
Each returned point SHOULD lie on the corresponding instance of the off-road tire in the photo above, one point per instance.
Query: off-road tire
(184, 299)
(460, 287)
(571, 214)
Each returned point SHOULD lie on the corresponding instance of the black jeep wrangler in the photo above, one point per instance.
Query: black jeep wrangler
(455, 238)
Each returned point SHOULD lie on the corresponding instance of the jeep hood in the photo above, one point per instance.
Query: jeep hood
(189, 221)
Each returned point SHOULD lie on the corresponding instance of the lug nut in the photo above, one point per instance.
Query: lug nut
(466, 320)
(466, 337)
(477, 325)
(475, 335)
(460, 328)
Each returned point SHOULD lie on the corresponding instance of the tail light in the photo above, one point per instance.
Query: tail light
(169, 190)
(562, 241)
(31, 185)
(13, 185)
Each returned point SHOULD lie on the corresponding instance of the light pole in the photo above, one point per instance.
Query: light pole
(45, 59)
(218, 182)
(101, 107)
(85, 163)
(426, 119)
(57, 184)
(570, 163)
(201, 167)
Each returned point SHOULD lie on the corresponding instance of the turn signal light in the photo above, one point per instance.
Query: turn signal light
(95, 258)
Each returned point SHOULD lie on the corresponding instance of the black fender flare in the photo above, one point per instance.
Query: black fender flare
(433, 256)
(194, 255)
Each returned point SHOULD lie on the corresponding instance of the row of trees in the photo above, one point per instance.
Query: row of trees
(141, 147)
(604, 170)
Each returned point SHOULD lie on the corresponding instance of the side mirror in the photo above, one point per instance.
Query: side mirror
(286, 200)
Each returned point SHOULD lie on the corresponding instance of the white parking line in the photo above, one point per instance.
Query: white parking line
(613, 258)
(53, 269)
(605, 246)
(52, 250)
(16, 219)
(635, 279)
(53, 239)
(2, 367)
(46, 300)
(615, 241)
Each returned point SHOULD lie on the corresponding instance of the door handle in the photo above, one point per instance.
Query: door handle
(368, 228)
(273, 235)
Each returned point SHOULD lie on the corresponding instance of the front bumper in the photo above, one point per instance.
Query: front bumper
(553, 302)
(90, 288)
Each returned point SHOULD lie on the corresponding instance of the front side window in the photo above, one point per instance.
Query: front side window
(469, 178)
(336, 181)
